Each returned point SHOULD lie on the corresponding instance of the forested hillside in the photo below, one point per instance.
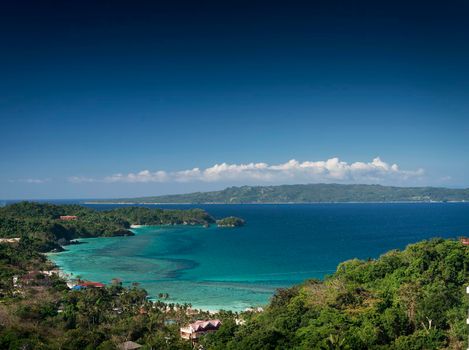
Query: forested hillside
(41, 223)
(312, 193)
(411, 299)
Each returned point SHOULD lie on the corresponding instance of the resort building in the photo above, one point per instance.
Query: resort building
(79, 285)
(68, 217)
(464, 240)
(195, 330)
(89, 284)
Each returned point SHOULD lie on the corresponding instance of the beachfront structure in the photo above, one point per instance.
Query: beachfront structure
(79, 285)
(464, 240)
(90, 284)
(195, 330)
(68, 217)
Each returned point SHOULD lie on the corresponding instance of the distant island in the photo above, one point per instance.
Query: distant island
(310, 193)
(230, 221)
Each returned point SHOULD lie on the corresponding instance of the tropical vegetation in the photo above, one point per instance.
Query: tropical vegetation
(41, 223)
(230, 221)
(411, 299)
(406, 300)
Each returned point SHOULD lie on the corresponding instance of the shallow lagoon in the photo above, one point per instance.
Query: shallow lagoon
(281, 245)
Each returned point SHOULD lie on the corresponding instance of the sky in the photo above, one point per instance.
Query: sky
(106, 99)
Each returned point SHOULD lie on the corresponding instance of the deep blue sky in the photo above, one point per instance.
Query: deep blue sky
(89, 89)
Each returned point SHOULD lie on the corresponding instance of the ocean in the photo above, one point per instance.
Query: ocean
(280, 245)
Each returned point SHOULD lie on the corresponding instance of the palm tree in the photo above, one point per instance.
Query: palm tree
(336, 342)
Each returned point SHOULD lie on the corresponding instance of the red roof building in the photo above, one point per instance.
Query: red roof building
(464, 240)
(90, 284)
(68, 217)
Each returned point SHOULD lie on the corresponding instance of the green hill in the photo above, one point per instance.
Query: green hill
(42, 223)
(406, 300)
(311, 193)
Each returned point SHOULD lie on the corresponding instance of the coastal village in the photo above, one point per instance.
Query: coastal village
(39, 280)
(191, 332)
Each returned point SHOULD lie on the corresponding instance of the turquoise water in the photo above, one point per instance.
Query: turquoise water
(281, 245)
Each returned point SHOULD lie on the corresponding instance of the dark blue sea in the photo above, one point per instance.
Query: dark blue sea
(280, 245)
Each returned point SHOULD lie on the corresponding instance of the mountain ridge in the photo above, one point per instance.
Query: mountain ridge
(305, 193)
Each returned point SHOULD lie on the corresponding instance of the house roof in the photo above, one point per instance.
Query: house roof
(92, 284)
(129, 345)
(199, 326)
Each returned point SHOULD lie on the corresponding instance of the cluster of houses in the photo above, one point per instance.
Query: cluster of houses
(85, 284)
(40, 279)
(35, 279)
(191, 332)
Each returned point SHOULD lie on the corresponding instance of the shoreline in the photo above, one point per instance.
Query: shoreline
(71, 277)
(268, 203)
(67, 276)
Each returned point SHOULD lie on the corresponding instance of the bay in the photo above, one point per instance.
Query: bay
(281, 245)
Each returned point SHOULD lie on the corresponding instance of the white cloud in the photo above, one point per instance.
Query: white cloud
(142, 176)
(80, 179)
(330, 170)
(31, 181)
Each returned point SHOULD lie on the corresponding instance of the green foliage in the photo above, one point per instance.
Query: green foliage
(147, 216)
(93, 318)
(230, 221)
(414, 299)
(39, 311)
(40, 224)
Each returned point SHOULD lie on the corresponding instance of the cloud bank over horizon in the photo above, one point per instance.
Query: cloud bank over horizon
(292, 171)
